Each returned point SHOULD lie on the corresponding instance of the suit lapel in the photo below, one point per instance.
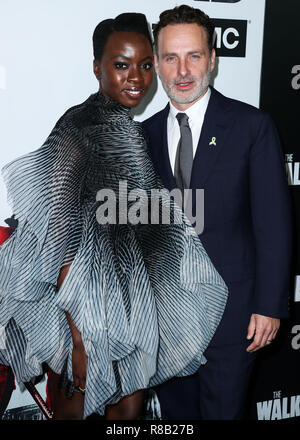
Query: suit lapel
(215, 129)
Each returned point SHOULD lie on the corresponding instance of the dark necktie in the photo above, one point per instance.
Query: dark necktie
(184, 155)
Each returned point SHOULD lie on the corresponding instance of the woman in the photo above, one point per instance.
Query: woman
(111, 308)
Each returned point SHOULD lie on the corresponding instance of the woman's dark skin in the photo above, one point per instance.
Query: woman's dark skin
(125, 74)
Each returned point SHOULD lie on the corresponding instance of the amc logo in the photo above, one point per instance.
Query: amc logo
(231, 37)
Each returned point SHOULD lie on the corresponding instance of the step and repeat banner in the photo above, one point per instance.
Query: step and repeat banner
(275, 391)
(46, 67)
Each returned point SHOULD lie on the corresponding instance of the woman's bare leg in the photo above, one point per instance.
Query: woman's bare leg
(128, 408)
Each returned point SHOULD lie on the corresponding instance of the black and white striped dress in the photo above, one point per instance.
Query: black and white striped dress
(146, 298)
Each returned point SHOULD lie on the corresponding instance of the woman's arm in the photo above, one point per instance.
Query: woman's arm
(76, 335)
(79, 357)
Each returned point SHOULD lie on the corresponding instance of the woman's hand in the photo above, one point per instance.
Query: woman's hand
(79, 365)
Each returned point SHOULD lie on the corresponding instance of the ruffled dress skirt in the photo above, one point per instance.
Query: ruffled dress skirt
(145, 297)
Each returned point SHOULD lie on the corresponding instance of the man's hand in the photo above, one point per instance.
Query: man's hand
(263, 329)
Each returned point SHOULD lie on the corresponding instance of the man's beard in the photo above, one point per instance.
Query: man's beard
(179, 97)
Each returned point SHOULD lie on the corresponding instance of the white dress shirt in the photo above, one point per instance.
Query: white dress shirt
(196, 113)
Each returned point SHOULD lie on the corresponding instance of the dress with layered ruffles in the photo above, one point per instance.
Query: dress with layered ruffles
(145, 297)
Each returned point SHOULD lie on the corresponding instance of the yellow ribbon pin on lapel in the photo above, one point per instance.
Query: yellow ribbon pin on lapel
(213, 141)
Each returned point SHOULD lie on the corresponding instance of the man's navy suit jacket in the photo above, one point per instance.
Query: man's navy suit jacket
(247, 219)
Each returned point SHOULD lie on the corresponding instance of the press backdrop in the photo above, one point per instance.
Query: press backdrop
(46, 67)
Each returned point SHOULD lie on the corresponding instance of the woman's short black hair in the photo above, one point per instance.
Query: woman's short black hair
(127, 22)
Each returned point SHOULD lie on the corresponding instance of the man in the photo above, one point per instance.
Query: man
(232, 151)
